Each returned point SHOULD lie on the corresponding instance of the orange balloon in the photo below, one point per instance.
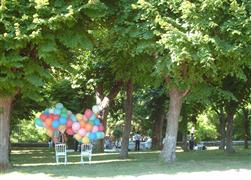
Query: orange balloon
(48, 122)
(82, 124)
(49, 132)
(88, 127)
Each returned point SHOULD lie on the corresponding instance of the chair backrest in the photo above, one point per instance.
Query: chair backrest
(86, 148)
(60, 148)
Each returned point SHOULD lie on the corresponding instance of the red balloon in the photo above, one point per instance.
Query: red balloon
(100, 127)
(51, 116)
(69, 131)
(69, 123)
(43, 116)
(55, 116)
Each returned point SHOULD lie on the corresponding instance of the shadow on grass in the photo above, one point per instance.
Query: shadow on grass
(42, 160)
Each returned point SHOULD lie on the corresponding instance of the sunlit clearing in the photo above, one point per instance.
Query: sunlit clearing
(71, 163)
(229, 174)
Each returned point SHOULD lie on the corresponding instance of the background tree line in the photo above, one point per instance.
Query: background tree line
(150, 64)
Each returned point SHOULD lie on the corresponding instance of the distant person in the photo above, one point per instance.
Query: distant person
(76, 143)
(137, 138)
(191, 142)
(50, 143)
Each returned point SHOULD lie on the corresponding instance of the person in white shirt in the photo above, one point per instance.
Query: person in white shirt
(137, 138)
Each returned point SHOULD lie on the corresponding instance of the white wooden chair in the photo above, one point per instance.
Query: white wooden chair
(60, 151)
(86, 151)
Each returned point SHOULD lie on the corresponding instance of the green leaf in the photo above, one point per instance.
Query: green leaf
(95, 8)
(34, 80)
(73, 40)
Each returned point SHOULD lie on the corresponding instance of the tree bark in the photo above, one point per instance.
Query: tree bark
(222, 120)
(100, 147)
(157, 135)
(246, 127)
(128, 120)
(104, 102)
(5, 111)
(229, 134)
(168, 152)
(184, 145)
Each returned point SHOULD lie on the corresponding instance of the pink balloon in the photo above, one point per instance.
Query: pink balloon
(88, 113)
(95, 129)
(82, 132)
(69, 131)
(100, 127)
(75, 127)
(85, 118)
(69, 123)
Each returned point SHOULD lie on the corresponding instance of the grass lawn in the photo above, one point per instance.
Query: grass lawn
(30, 163)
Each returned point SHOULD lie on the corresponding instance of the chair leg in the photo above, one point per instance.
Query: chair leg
(90, 159)
(57, 159)
(65, 160)
(82, 161)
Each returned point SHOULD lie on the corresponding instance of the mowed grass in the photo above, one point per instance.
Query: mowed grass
(42, 160)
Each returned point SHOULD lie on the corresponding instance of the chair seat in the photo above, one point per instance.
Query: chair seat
(86, 151)
(60, 150)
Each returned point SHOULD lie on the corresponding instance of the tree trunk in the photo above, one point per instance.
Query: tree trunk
(229, 137)
(157, 130)
(100, 147)
(184, 145)
(128, 119)
(168, 152)
(5, 111)
(104, 102)
(222, 120)
(245, 127)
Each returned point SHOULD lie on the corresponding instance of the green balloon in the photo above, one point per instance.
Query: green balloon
(63, 115)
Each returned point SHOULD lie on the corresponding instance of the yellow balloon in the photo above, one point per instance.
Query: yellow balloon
(85, 140)
(79, 116)
(77, 137)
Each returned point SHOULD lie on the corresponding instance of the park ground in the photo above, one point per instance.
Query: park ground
(39, 163)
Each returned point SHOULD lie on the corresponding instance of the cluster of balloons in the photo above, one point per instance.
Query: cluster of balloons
(84, 127)
(56, 120)
(88, 126)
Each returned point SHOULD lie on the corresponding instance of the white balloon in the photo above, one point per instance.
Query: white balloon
(95, 109)
(51, 110)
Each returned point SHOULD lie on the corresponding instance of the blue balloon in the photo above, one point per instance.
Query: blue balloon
(92, 136)
(63, 120)
(100, 135)
(73, 118)
(46, 112)
(59, 105)
(97, 122)
(39, 122)
(57, 111)
(55, 123)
